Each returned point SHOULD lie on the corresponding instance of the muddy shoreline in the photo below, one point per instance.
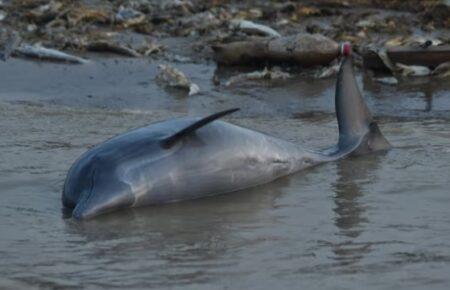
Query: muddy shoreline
(145, 26)
(129, 84)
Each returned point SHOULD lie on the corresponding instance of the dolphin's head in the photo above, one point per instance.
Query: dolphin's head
(94, 186)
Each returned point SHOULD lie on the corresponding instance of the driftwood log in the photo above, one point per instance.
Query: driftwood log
(300, 49)
(430, 57)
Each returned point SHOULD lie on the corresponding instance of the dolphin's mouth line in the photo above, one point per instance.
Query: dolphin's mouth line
(85, 198)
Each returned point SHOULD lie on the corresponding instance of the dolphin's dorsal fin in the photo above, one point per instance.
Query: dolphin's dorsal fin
(173, 139)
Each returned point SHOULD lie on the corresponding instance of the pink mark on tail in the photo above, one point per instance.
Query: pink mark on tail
(346, 49)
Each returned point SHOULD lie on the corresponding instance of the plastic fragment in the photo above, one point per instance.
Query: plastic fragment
(254, 28)
(387, 80)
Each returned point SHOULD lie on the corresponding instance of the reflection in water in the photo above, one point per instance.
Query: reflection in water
(352, 174)
(428, 95)
(411, 94)
(185, 237)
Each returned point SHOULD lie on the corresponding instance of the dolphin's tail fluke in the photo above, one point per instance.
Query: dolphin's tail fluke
(358, 132)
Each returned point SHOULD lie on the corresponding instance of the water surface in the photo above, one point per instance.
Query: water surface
(372, 222)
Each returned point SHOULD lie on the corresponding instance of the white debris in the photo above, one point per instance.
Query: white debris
(413, 41)
(253, 28)
(413, 70)
(32, 27)
(171, 77)
(38, 51)
(403, 69)
(267, 74)
(387, 80)
(420, 41)
(382, 53)
(442, 70)
(3, 15)
(193, 89)
(327, 72)
(366, 23)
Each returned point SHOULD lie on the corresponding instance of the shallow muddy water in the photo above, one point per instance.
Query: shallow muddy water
(372, 222)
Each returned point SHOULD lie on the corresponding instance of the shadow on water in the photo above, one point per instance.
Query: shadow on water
(349, 211)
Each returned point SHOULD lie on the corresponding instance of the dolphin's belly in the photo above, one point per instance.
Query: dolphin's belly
(219, 158)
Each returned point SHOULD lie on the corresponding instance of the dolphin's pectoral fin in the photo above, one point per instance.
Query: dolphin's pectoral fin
(173, 139)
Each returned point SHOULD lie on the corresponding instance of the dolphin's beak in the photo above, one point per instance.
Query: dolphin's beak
(85, 209)
(82, 214)
(94, 204)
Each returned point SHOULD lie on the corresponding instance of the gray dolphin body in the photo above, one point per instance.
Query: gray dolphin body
(189, 158)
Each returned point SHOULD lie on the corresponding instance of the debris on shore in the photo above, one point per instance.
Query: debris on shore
(67, 24)
(425, 54)
(112, 47)
(171, 77)
(412, 70)
(442, 70)
(328, 71)
(298, 33)
(425, 60)
(254, 28)
(39, 52)
(266, 74)
(387, 80)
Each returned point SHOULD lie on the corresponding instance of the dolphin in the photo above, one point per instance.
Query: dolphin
(188, 158)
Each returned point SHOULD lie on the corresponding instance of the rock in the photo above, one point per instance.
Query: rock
(172, 77)
(128, 17)
(45, 13)
(83, 14)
